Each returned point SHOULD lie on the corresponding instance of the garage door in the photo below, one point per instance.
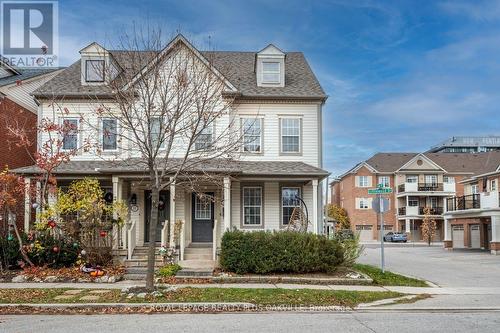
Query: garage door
(365, 232)
(475, 238)
(457, 236)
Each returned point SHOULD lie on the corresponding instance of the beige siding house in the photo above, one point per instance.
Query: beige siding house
(276, 89)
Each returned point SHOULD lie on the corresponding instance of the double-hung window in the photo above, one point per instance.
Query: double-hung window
(363, 203)
(493, 185)
(109, 136)
(290, 135)
(289, 201)
(94, 70)
(252, 134)
(271, 72)
(157, 133)
(363, 181)
(411, 178)
(384, 181)
(70, 133)
(413, 201)
(252, 205)
(204, 140)
(448, 180)
(431, 179)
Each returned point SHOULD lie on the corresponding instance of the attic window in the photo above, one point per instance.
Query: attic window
(271, 72)
(94, 70)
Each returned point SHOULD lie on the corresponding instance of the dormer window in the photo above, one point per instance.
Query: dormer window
(271, 72)
(94, 70)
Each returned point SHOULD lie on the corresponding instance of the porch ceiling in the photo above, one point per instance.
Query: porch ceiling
(137, 166)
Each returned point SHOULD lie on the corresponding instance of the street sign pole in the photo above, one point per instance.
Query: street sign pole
(382, 259)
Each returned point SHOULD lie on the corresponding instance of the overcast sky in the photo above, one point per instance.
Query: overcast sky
(401, 75)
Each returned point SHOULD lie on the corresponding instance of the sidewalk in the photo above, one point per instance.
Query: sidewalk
(403, 290)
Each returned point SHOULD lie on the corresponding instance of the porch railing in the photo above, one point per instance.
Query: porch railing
(432, 210)
(131, 232)
(214, 240)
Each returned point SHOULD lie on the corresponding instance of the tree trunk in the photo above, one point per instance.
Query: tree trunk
(21, 248)
(155, 197)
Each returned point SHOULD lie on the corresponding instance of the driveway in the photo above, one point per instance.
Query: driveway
(457, 268)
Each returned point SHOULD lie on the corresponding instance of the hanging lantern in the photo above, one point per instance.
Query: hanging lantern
(103, 233)
(55, 249)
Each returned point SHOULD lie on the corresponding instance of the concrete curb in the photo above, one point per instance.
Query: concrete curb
(386, 301)
(290, 279)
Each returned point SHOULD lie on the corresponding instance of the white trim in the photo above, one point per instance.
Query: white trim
(261, 189)
(422, 156)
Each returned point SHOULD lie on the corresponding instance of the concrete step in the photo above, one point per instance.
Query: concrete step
(135, 277)
(190, 264)
(199, 245)
(141, 263)
(195, 256)
(198, 250)
(193, 273)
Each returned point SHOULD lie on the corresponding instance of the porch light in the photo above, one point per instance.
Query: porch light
(133, 199)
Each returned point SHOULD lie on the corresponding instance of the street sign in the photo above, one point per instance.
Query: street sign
(380, 205)
(380, 190)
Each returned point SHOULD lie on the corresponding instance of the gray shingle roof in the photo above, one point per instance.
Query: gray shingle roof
(246, 168)
(468, 163)
(25, 74)
(237, 67)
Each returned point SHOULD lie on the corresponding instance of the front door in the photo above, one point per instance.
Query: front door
(202, 217)
(163, 213)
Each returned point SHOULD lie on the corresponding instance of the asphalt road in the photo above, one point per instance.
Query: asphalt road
(457, 268)
(266, 322)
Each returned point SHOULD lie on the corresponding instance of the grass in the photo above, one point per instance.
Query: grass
(262, 297)
(388, 278)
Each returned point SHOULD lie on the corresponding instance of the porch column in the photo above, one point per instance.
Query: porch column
(447, 233)
(315, 206)
(172, 213)
(407, 226)
(495, 234)
(117, 196)
(227, 204)
(27, 204)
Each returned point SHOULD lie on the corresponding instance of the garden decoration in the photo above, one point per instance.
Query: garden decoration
(298, 221)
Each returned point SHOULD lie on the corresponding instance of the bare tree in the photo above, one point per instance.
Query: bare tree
(172, 107)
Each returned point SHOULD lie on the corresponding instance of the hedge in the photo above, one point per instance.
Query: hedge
(265, 252)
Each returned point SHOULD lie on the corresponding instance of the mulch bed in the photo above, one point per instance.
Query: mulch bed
(65, 274)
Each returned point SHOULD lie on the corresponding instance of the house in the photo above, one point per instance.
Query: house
(472, 220)
(467, 144)
(418, 180)
(276, 89)
(19, 108)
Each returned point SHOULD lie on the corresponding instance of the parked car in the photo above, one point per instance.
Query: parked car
(395, 237)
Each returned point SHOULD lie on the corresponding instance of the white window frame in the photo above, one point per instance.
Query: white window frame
(202, 201)
(363, 203)
(363, 183)
(433, 177)
(202, 144)
(415, 200)
(88, 62)
(411, 177)
(385, 184)
(274, 72)
(77, 132)
(474, 188)
(243, 206)
(493, 185)
(153, 119)
(101, 134)
(244, 134)
(288, 206)
(299, 145)
(448, 180)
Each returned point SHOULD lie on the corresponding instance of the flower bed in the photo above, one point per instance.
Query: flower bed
(68, 274)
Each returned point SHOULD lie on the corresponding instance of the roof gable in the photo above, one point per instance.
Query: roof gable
(179, 39)
(420, 162)
(271, 50)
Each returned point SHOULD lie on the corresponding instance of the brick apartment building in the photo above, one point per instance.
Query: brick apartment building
(418, 180)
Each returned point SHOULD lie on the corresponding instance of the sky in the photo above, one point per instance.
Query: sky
(401, 76)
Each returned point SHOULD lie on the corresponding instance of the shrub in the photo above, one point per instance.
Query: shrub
(169, 270)
(350, 245)
(9, 252)
(265, 252)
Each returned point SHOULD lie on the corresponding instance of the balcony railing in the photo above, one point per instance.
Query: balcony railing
(432, 210)
(425, 187)
(471, 201)
(413, 210)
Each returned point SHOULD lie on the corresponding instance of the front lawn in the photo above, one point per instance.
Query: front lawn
(388, 278)
(262, 297)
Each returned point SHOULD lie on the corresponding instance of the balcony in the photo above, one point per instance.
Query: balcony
(485, 200)
(426, 187)
(415, 211)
